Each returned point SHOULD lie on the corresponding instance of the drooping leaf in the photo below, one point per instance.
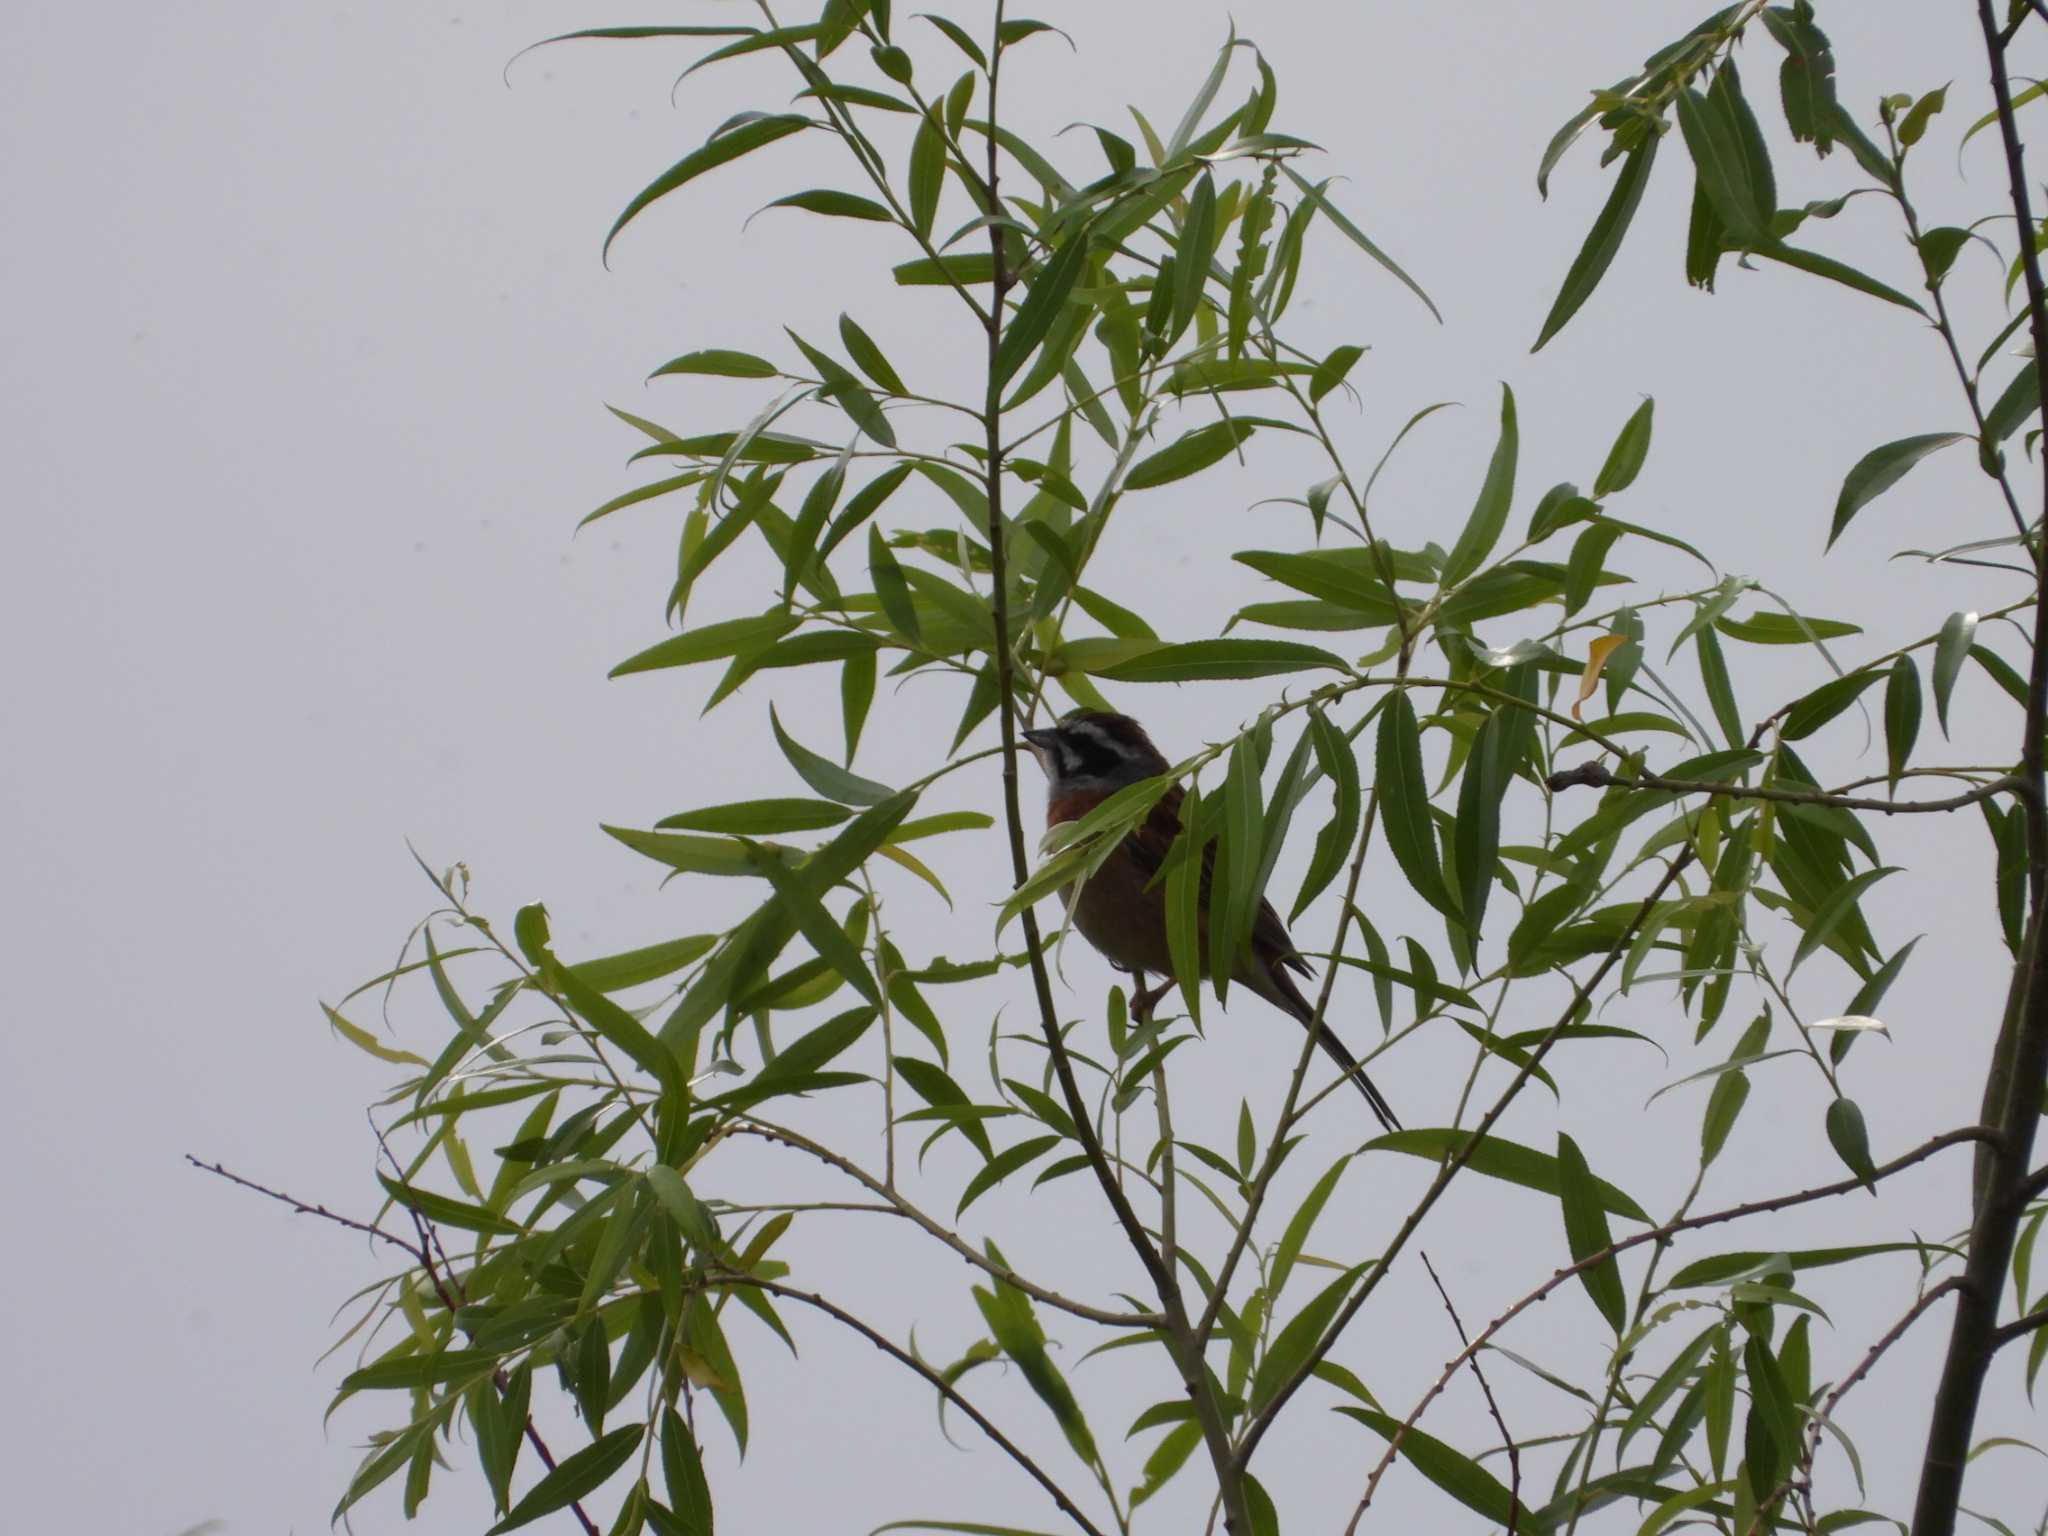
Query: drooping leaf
(1490, 512)
(1953, 644)
(1881, 469)
(1188, 454)
(1603, 240)
(1497, 1158)
(1586, 1232)
(721, 149)
(1404, 800)
(1457, 1474)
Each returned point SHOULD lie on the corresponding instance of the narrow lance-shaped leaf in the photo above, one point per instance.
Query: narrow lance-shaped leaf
(1603, 240)
(1901, 718)
(1625, 458)
(1950, 647)
(1490, 512)
(1404, 800)
(1586, 1232)
(1881, 469)
(577, 1474)
(726, 147)
(1454, 1472)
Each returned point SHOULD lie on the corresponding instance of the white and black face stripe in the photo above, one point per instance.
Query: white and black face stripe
(1093, 750)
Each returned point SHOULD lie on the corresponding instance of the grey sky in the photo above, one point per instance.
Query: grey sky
(305, 360)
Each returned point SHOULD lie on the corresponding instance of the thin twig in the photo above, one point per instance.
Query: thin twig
(1455, 1164)
(1507, 1440)
(937, 1381)
(1661, 1234)
(1885, 1340)
(1596, 775)
(752, 1126)
(420, 1255)
(367, 1228)
(2020, 1327)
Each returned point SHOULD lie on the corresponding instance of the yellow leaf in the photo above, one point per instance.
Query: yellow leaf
(1596, 658)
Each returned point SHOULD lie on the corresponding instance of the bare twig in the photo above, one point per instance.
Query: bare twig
(903, 1357)
(1507, 1440)
(366, 1228)
(1885, 1340)
(1455, 1163)
(895, 1203)
(1597, 776)
(422, 1255)
(1661, 1234)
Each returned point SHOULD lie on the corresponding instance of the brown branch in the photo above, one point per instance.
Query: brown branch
(1598, 776)
(903, 1357)
(1661, 1234)
(368, 1229)
(899, 1206)
(2012, 1089)
(1492, 1407)
(422, 1255)
(1455, 1163)
(1885, 1340)
(2019, 1328)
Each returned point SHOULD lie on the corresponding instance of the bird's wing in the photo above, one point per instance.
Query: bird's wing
(1148, 847)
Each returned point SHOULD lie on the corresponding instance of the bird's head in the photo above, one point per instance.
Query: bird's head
(1093, 749)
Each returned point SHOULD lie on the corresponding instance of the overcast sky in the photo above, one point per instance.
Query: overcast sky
(305, 359)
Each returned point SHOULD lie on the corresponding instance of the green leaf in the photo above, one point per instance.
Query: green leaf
(1851, 1141)
(1293, 1344)
(1041, 307)
(1901, 717)
(1490, 512)
(1767, 627)
(927, 174)
(1302, 1222)
(892, 591)
(1333, 843)
(1625, 458)
(579, 1473)
(721, 149)
(1726, 1266)
(944, 271)
(1586, 1232)
(1506, 1160)
(1712, 141)
(801, 904)
(1331, 371)
(1724, 1104)
(1817, 708)
(1214, 660)
(838, 205)
(691, 855)
(720, 364)
(1603, 240)
(2015, 404)
(422, 1370)
(1458, 1475)
(848, 393)
(1881, 469)
(1001, 1166)
(1167, 1458)
(1188, 454)
(1950, 647)
(1315, 199)
(682, 1468)
(1404, 797)
(1914, 124)
(710, 642)
(633, 967)
(758, 818)
(824, 775)
(1839, 272)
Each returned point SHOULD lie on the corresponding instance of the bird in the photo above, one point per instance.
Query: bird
(1087, 756)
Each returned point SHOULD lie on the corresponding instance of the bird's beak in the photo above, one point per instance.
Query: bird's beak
(1040, 742)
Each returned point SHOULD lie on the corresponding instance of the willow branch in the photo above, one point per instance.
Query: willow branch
(938, 1382)
(1665, 1233)
(1507, 1440)
(1598, 776)
(1455, 1163)
(895, 1203)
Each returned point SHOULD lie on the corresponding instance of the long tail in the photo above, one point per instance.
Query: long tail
(1286, 996)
